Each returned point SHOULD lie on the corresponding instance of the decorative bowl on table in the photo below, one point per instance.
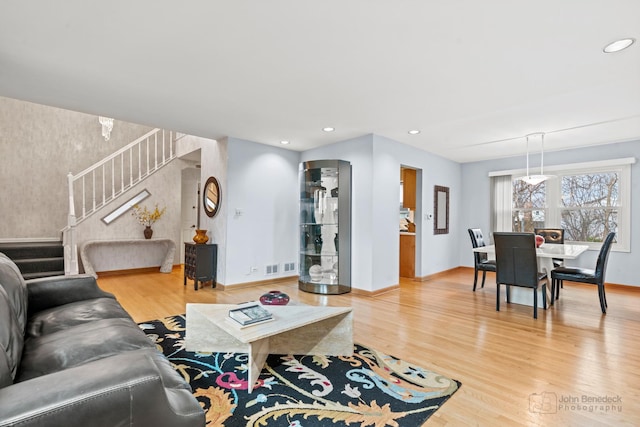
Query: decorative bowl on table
(539, 240)
(274, 298)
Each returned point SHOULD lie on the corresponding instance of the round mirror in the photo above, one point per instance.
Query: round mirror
(211, 197)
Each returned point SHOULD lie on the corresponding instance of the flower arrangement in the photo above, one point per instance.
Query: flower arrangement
(147, 217)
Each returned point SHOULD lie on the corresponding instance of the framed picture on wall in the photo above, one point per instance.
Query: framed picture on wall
(440, 210)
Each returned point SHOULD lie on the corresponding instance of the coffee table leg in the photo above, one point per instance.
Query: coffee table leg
(258, 352)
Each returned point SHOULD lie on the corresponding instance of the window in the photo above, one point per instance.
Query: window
(588, 201)
(528, 210)
(590, 206)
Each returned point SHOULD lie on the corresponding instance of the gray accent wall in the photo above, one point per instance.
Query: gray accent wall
(39, 146)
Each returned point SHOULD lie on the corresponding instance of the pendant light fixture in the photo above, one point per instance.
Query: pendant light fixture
(536, 179)
(107, 126)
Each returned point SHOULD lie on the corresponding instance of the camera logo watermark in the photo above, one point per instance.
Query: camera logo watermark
(551, 403)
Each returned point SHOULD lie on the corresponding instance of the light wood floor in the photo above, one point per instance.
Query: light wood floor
(506, 360)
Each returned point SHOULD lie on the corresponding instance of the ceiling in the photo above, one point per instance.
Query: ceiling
(473, 77)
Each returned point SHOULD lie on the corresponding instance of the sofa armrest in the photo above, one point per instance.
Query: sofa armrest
(137, 388)
(53, 291)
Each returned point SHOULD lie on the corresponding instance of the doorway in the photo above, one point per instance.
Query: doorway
(189, 209)
(410, 227)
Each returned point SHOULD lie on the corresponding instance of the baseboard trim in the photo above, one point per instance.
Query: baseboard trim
(375, 293)
(439, 274)
(127, 271)
(176, 267)
(244, 285)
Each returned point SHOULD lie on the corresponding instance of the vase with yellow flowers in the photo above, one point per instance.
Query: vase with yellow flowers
(147, 217)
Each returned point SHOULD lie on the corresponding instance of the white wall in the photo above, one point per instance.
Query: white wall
(359, 152)
(438, 252)
(476, 203)
(214, 162)
(375, 163)
(262, 185)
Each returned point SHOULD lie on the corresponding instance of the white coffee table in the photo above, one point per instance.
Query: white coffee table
(296, 329)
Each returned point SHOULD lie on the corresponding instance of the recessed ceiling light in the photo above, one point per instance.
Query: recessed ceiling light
(328, 129)
(618, 45)
(414, 132)
(284, 142)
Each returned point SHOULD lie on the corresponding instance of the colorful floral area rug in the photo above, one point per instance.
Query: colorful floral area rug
(368, 388)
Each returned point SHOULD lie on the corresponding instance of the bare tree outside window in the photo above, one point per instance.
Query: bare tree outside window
(529, 202)
(590, 204)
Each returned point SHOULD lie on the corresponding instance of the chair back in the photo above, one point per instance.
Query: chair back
(477, 241)
(551, 235)
(516, 260)
(603, 256)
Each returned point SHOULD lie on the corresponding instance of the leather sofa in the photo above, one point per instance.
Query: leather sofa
(70, 355)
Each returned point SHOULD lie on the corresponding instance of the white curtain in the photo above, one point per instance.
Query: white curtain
(501, 201)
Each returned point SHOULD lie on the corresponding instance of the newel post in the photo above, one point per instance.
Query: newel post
(69, 235)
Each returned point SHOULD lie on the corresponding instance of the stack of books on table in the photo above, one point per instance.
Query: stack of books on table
(250, 313)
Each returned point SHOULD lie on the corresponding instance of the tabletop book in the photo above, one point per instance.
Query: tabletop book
(250, 313)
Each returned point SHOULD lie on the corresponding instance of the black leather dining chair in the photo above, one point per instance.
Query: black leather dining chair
(552, 235)
(480, 260)
(584, 275)
(517, 265)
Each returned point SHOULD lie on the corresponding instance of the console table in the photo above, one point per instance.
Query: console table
(106, 255)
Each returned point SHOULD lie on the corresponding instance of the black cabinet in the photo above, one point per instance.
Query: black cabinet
(200, 263)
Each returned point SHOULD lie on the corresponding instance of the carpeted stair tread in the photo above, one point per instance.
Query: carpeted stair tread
(36, 258)
(37, 275)
(22, 250)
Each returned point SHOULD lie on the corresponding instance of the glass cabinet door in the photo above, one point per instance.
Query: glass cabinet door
(325, 215)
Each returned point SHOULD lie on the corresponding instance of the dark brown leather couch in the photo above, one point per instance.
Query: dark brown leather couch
(70, 355)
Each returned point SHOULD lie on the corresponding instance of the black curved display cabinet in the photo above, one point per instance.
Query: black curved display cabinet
(325, 227)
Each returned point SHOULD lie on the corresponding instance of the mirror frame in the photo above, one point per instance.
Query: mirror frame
(211, 182)
(440, 213)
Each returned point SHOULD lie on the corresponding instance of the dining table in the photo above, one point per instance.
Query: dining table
(545, 254)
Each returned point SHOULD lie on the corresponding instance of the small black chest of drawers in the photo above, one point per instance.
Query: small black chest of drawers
(200, 263)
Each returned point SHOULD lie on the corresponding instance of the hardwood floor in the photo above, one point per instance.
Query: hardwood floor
(507, 361)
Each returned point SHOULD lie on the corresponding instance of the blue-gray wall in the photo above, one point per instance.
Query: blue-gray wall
(475, 211)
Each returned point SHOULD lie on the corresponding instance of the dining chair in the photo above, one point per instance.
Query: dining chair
(480, 260)
(517, 265)
(552, 235)
(584, 275)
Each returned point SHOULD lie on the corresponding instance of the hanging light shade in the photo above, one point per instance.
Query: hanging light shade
(536, 179)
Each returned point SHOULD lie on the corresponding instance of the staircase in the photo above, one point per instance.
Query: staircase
(36, 259)
(105, 181)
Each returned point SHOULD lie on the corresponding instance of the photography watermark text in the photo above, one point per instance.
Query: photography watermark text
(551, 403)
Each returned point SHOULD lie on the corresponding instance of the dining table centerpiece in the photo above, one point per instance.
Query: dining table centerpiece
(148, 217)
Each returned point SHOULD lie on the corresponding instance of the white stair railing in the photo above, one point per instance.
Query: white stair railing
(100, 184)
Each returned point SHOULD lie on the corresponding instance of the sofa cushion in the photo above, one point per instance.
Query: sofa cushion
(11, 341)
(78, 345)
(13, 283)
(134, 389)
(70, 315)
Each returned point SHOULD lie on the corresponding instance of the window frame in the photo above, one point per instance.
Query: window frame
(553, 202)
(553, 213)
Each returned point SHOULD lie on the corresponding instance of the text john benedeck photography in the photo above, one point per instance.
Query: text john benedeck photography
(551, 403)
